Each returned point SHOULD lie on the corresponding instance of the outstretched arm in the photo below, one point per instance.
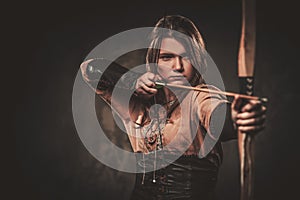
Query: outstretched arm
(103, 75)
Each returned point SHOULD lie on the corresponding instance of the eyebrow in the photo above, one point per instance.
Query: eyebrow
(173, 54)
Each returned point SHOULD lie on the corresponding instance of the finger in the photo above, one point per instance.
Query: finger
(144, 89)
(148, 83)
(250, 129)
(141, 91)
(251, 105)
(148, 90)
(251, 121)
(252, 114)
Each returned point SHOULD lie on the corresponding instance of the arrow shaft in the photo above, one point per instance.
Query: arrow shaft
(231, 94)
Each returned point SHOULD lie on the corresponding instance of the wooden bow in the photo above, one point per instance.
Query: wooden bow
(246, 58)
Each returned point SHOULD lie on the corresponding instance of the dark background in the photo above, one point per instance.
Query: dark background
(47, 41)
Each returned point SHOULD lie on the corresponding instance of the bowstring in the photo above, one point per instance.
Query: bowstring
(159, 145)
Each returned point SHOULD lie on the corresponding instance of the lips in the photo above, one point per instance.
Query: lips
(176, 77)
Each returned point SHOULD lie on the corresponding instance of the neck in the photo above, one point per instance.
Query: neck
(170, 96)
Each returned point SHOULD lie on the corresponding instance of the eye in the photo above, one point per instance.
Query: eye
(185, 57)
(166, 57)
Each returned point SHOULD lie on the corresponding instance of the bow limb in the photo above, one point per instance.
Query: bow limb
(246, 60)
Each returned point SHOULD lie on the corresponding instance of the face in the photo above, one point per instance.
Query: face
(174, 64)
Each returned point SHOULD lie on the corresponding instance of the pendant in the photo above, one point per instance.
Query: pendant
(151, 139)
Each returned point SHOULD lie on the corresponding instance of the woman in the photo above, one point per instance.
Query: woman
(178, 132)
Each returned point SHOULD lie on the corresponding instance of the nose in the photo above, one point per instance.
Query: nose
(178, 64)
